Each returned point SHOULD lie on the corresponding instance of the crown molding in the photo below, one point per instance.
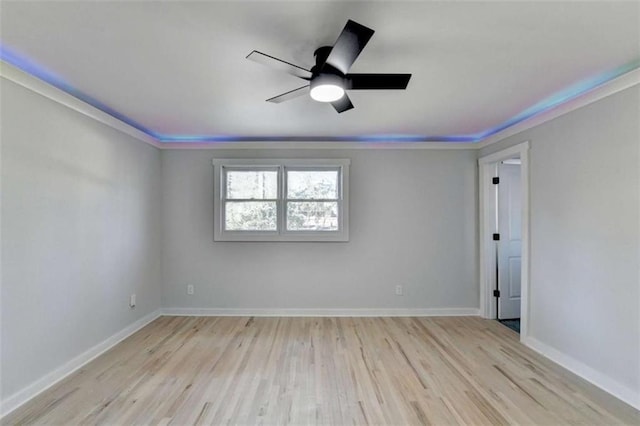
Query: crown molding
(608, 88)
(318, 145)
(26, 80)
(49, 91)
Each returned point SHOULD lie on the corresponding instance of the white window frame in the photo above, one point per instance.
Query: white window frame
(220, 165)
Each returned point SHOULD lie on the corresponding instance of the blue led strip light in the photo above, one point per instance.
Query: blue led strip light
(544, 105)
(43, 74)
(561, 97)
(359, 138)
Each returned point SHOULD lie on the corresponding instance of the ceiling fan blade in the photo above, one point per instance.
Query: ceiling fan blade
(279, 64)
(352, 40)
(377, 81)
(343, 104)
(292, 94)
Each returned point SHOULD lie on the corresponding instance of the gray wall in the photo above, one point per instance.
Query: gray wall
(413, 222)
(585, 248)
(80, 232)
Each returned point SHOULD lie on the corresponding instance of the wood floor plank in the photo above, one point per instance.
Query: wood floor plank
(324, 371)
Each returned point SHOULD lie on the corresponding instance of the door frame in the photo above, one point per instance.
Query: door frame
(487, 197)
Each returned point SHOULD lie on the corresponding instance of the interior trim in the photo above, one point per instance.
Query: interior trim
(573, 98)
(318, 145)
(49, 91)
(322, 312)
(24, 395)
(595, 377)
(487, 167)
(610, 87)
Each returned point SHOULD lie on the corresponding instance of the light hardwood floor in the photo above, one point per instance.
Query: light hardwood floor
(333, 371)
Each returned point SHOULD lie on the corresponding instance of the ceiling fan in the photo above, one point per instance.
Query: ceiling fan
(329, 78)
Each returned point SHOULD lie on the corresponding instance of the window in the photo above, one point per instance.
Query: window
(281, 200)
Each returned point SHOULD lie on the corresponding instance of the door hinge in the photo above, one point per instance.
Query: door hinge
(496, 237)
(495, 180)
(496, 293)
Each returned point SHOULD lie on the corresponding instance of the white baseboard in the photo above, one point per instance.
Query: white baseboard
(595, 377)
(14, 401)
(286, 312)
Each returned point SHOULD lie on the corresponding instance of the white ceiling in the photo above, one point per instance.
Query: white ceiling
(179, 68)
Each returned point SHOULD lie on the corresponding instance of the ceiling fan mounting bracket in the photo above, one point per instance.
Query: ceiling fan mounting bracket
(321, 54)
(321, 67)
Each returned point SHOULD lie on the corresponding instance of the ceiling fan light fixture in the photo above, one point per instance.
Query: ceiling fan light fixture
(327, 88)
(327, 93)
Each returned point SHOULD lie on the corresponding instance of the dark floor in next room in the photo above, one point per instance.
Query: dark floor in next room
(513, 324)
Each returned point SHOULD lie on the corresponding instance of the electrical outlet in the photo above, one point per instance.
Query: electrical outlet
(132, 301)
(190, 289)
(399, 290)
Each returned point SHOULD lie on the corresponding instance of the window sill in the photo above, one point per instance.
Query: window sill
(288, 237)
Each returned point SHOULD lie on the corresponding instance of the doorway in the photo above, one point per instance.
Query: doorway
(504, 262)
(509, 242)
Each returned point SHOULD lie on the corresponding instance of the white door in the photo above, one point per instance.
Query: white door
(510, 244)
